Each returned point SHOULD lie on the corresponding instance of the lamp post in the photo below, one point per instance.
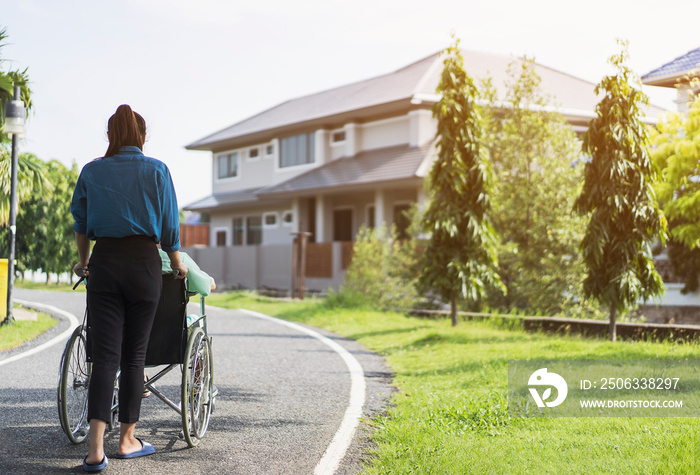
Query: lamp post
(15, 116)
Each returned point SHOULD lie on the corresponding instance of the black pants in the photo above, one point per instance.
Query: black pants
(123, 293)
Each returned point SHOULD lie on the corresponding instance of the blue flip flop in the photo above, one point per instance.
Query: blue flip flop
(95, 467)
(146, 449)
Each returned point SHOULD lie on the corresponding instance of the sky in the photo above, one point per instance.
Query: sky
(192, 68)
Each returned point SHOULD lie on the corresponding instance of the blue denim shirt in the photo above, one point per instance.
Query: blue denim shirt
(127, 194)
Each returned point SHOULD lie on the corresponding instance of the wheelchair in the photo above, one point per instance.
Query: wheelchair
(177, 340)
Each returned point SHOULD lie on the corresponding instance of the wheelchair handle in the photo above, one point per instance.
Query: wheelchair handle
(82, 278)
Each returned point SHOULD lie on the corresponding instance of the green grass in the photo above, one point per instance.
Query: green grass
(28, 284)
(18, 332)
(450, 415)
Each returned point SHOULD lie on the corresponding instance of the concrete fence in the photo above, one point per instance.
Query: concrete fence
(270, 265)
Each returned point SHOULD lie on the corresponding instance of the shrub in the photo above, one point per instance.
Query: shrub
(383, 271)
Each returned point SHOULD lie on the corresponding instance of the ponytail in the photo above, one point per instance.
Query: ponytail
(123, 129)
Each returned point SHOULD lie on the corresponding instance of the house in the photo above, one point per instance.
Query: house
(330, 162)
(681, 73)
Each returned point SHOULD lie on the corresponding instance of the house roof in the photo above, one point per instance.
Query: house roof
(366, 94)
(410, 87)
(225, 200)
(668, 74)
(391, 164)
(396, 164)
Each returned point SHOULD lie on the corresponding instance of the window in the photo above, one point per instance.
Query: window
(401, 220)
(311, 218)
(342, 224)
(253, 154)
(253, 233)
(338, 137)
(238, 231)
(228, 165)
(220, 238)
(270, 220)
(287, 218)
(370, 217)
(297, 150)
(269, 151)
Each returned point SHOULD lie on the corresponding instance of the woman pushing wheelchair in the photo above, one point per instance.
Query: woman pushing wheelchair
(125, 201)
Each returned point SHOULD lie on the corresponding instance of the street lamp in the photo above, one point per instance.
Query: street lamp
(15, 116)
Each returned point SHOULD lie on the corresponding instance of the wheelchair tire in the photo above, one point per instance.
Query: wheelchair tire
(114, 414)
(73, 381)
(197, 387)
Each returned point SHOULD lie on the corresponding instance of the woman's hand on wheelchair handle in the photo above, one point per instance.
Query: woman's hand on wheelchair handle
(81, 269)
(180, 270)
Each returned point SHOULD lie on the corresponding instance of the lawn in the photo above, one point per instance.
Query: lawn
(450, 416)
(18, 332)
(62, 287)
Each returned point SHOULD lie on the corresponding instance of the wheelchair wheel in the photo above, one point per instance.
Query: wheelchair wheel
(73, 382)
(197, 386)
(114, 415)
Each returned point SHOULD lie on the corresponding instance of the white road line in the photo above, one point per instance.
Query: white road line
(60, 338)
(343, 437)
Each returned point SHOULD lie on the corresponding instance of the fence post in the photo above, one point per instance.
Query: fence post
(299, 263)
(295, 265)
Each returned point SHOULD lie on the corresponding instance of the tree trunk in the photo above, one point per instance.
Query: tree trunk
(453, 310)
(612, 329)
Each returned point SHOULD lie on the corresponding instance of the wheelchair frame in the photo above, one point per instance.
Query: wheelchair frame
(197, 391)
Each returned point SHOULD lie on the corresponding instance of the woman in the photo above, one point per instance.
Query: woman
(125, 202)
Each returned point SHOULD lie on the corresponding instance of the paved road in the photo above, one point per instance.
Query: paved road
(282, 397)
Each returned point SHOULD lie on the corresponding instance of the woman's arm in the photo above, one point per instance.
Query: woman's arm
(177, 265)
(170, 231)
(83, 253)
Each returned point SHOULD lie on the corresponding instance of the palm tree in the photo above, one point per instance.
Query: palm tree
(7, 82)
(30, 173)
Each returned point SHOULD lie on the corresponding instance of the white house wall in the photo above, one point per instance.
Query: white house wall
(258, 172)
(220, 222)
(279, 234)
(415, 128)
(384, 133)
(422, 127)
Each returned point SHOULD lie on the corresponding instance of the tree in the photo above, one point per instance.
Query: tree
(460, 256)
(534, 153)
(30, 178)
(619, 200)
(675, 151)
(58, 251)
(45, 238)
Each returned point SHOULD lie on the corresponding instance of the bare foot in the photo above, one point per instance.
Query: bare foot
(128, 446)
(95, 459)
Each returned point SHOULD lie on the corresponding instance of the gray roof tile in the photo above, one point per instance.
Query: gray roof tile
(375, 91)
(681, 64)
(422, 77)
(368, 167)
(230, 199)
